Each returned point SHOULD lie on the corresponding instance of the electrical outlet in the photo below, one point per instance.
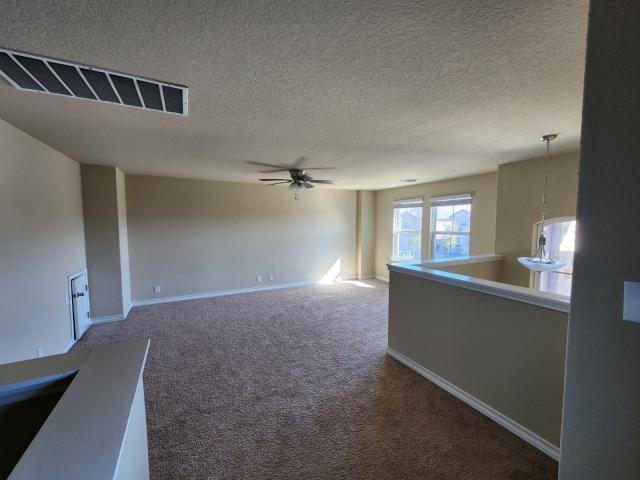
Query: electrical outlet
(271, 278)
(38, 352)
(258, 278)
(157, 289)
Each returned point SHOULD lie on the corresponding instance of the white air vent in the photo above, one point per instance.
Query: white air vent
(36, 73)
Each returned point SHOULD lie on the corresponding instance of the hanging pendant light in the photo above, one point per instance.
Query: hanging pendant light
(540, 261)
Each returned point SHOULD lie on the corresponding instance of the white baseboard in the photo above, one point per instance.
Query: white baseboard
(68, 347)
(514, 427)
(112, 318)
(382, 278)
(107, 318)
(221, 293)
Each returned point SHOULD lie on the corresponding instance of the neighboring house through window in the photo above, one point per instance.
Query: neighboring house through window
(561, 235)
(450, 226)
(407, 229)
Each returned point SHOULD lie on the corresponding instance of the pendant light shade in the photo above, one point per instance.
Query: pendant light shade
(540, 261)
(540, 266)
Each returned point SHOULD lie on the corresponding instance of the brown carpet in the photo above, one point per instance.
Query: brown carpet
(295, 383)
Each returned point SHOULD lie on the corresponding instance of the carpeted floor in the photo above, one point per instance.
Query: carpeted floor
(295, 383)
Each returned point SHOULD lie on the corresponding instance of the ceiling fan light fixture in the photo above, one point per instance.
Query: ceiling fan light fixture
(296, 187)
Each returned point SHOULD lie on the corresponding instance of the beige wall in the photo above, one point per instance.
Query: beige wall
(123, 237)
(101, 226)
(195, 236)
(483, 218)
(519, 206)
(366, 232)
(601, 421)
(507, 354)
(41, 244)
(484, 270)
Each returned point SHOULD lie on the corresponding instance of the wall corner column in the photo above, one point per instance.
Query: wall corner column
(365, 233)
(105, 225)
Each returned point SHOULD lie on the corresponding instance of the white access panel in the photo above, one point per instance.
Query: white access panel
(631, 310)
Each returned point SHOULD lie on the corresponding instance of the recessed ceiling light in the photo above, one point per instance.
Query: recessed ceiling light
(36, 73)
(409, 180)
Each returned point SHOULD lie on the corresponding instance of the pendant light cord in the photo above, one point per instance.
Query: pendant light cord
(541, 261)
(541, 251)
(544, 188)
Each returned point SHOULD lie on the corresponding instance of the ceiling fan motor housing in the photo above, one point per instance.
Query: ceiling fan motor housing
(298, 175)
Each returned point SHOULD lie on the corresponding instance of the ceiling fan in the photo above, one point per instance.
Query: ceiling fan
(300, 179)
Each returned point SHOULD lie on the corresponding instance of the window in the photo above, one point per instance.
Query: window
(450, 226)
(561, 235)
(407, 229)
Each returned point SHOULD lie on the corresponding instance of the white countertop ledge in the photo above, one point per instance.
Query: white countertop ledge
(83, 436)
(453, 261)
(516, 293)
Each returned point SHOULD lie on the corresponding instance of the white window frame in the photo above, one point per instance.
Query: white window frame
(534, 277)
(407, 203)
(442, 201)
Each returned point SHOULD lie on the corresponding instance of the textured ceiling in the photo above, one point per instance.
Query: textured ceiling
(382, 90)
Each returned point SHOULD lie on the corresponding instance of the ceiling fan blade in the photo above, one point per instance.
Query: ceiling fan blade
(308, 185)
(262, 164)
(327, 182)
(274, 171)
(278, 183)
(274, 179)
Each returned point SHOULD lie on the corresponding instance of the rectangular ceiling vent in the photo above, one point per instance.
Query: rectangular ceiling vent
(36, 73)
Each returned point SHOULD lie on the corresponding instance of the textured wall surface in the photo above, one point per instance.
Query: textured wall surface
(601, 427)
(520, 187)
(41, 244)
(194, 236)
(385, 90)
